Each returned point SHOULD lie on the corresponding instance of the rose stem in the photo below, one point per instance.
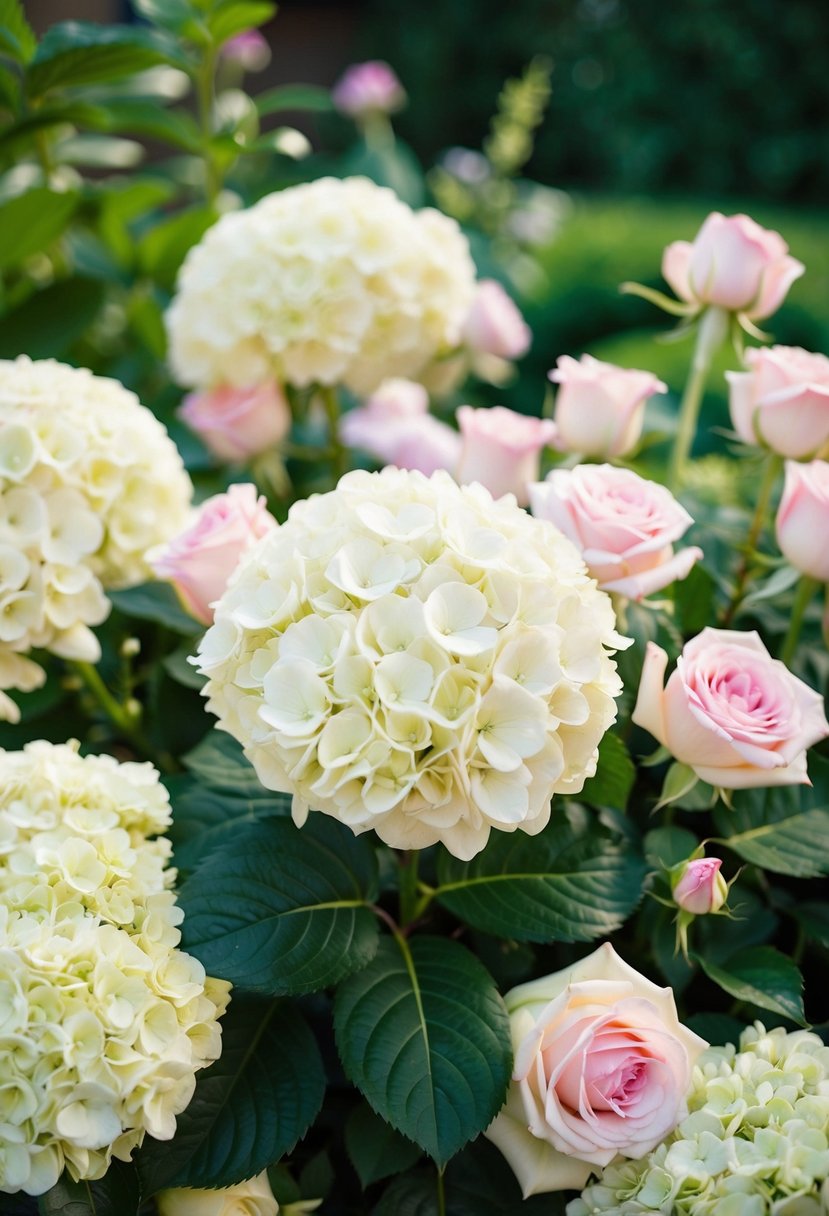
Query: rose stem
(713, 330)
(805, 590)
(773, 464)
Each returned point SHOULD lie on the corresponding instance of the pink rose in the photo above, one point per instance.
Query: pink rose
(600, 408)
(494, 325)
(698, 887)
(396, 428)
(501, 449)
(237, 423)
(602, 1067)
(734, 264)
(731, 712)
(803, 518)
(624, 526)
(200, 560)
(367, 87)
(782, 401)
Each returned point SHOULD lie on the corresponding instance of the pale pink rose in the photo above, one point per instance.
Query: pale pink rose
(782, 401)
(624, 526)
(731, 712)
(250, 49)
(600, 408)
(734, 264)
(501, 449)
(395, 427)
(494, 325)
(237, 423)
(602, 1067)
(803, 518)
(368, 87)
(699, 887)
(200, 560)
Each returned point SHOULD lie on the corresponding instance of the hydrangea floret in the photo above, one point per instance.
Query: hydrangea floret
(104, 1021)
(330, 282)
(755, 1143)
(409, 655)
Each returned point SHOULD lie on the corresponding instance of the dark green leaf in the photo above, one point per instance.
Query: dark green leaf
(163, 249)
(614, 777)
(137, 116)
(282, 910)
(250, 1107)
(156, 602)
(293, 97)
(668, 846)
(573, 882)
(376, 1150)
(204, 818)
(761, 976)
(751, 924)
(768, 828)
(219, 761)
(423, 1033)
(412, 1194)
(479, 1182)
(31, 221)
(116, 1194)
(47, 323)
(716, 1028)
(814, 918)
(17, 38)
(235, 16)
(83, 52)
(694, 599)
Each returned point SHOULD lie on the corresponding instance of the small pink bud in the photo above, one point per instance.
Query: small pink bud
(238, 423)
(495, 325)
(699, 887)
(366, 88)
(250, 49)
(802, 524)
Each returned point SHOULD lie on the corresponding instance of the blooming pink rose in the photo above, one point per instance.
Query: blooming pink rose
(396, 428)
(237, 423)
(600, 408)
(732, 263)
(602, 1067)
(731, 712)
(624, 526)
(494, 325)
(501, 449)
(200, 560)
(782, 401)
(699, 887)
(803, 518)
(367, 87)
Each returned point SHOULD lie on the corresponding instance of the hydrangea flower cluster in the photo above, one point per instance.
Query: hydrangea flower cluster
(756, 1142)
(409, 655)
(104, 1022)
(89, 480)
(328, 282)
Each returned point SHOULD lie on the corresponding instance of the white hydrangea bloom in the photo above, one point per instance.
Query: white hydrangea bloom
(331, 282)
(89, 480)
(755, 1143)
(103, 1021)
(409, 655)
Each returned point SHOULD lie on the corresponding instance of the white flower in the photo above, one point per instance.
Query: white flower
(89, 480)
(328, 282)
(411, 656)
(110, 1019)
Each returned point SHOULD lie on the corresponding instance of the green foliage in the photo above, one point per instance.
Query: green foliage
(77, 53)
(422, 1032)
(763, 977)
(31, 221)
(375, 1149)
(49, 322)
(778, 830)
(156, 602)
(116, 1194)
(614, 777)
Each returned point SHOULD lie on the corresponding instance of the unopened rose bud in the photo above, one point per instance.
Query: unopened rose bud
(495, 325)
(802, 524)
(237, 423)
(366, 88)
(600, 408)
(698, 886)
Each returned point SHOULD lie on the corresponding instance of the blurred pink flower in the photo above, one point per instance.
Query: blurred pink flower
(250, 49)
(501, 449)
(782, 401)
(802, 524)
(237, 423)
(395, 427)
(368, 87)
(495, 325)
(600, 408)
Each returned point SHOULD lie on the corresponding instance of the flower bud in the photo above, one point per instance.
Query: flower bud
(600, 408)
(698, 887)
(501, 449)
(782, 401)
(803, 518)
(495, 325)
(366, 88)
(237, 423)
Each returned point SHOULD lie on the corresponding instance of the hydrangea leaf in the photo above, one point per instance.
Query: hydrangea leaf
(761, 976)
(116, 1194)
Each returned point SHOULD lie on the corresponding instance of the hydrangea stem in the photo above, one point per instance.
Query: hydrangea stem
(713, 330)
(441, 1194)
(805, 590)
(124, 721)
(339, 456)
(773, 465)
(205, 86)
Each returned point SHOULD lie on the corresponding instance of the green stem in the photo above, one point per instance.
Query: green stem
(805, 590)
(774, 463)
(205, 86)
(124, 721)
(339, 456)
(441, 1194)
(713, 330)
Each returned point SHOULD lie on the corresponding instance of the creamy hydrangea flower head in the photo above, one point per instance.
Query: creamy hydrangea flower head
(756, 1141)
(409, 655)
(328, 282)
(104, 1021)
(89, 480)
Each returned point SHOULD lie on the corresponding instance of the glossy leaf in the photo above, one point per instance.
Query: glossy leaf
(218, 761)
(615, 775)
(116, 1194)
(17, 38)
(157, 602)
(76, 53)
(761, 976)
(204, 819)
(31, 221)
(768, 829)
(376, 1150)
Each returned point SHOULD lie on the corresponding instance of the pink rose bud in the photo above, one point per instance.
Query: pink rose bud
(734, 264)
(698, 887)
(782, 401)
(395, 427)
(200, 560)
(366, 88)
(501, 449)
(731, 712)
(494, 325)
(600, 408)
(250, 49)
(803, 518)
(237, 423)
(624, 526)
